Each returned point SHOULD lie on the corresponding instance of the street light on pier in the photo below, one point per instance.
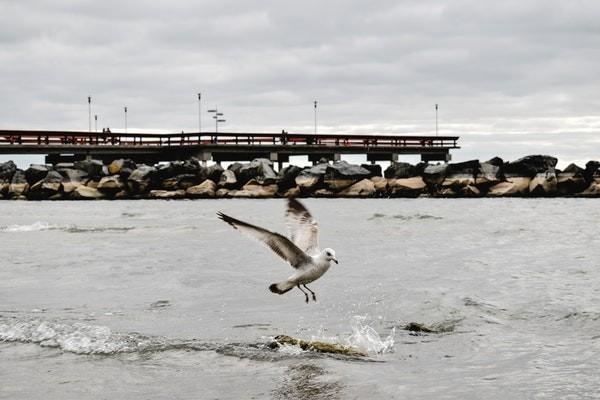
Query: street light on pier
(96, 123)
(90, 114)
(315, 117)
(125, 108)
(216, 116)
(436, 119)
(199, 113)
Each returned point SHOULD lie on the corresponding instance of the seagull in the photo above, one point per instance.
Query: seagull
(301, 251)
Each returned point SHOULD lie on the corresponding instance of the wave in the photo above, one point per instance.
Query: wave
(405, 217)
(85, 339)
(45, 226)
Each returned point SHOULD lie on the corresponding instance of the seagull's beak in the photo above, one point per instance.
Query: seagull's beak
(335, 260)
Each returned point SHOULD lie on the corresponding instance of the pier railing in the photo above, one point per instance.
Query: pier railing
(67, 138)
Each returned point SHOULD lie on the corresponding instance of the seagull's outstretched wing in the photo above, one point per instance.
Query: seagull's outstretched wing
(281, 245)
(303, 228)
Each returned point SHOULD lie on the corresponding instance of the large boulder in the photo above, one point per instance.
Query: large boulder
(7, 170)
(381, 185)
(214, 172)
(18, 185)
(434, 175)
(592, 172)
(400, 170)
(141, 179)
(490, 174)
(167, 194)
(571, 180)
(362, 188)
(182, 181)
(93, 168)
(111, 185)
(374, 169)
(342, 174)
(83, 192)
(36, 172)
(49, 186)
(459, 175)
(260, 169)
(116, 167)
(253, 189)
(529, 166)
(228, 180)
(204, 190)
(515, 186)
(406, 187)
(543, 184)
(312, 177)
(286, 179)
(73, 175)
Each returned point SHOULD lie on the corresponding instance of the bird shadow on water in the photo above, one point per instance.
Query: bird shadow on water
(308, 381)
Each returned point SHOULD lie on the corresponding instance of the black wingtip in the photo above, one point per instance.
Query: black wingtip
(226, 218)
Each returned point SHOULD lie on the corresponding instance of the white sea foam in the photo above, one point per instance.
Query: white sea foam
(35, 227)
(367, 339)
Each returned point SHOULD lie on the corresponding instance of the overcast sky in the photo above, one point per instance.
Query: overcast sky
(511, 77)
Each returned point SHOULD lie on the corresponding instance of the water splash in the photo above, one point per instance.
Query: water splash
(40, 226)
(367, 339)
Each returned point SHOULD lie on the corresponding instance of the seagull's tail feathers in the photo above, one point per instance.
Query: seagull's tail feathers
(282, 287)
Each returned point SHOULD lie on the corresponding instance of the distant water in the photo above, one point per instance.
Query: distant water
(158, 299)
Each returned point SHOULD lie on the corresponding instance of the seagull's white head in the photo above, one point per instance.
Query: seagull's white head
(329, 255)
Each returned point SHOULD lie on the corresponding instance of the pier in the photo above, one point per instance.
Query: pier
(68, 146)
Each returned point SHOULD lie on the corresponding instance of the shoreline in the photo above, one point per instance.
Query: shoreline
(533, 176)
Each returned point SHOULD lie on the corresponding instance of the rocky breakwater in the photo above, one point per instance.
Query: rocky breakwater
(530, 176)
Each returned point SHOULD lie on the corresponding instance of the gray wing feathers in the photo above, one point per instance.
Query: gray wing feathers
(280, 245)
(302, 227)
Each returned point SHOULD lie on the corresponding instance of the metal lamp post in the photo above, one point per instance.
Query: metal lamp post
(315, 117)
(216, 116)
(90, 114)
(199, 113)
(436, 119)
(125, 108)
(96, 123)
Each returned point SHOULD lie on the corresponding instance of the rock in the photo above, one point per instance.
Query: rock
(7, 170)
(36, 172)
(459, 175)
(516, 186)
(73, 175)
(69, 186)
(469, 191)
(362, 188)
(311, 178)
(571, 180)
(18, 184)
(406, 187)
(236, 167)
(323, 192)
(529, 166)
(223, 193)
(203, 190)
(381, 185)
(543, 184)
(400, 170)
(111, 185)
(434, 175)
(116, 166)
(228, 180)
(82, 192)
(49, 186)
(292, 192)
(374, 169)
(321, 347)
(286, 179)
(591, 172)
(489, 174)
(93, 168)
(214, 172)
(182, 181)
(253, 189)
(141, 179)
(496, 161)
(341, 175)
(260, 169)
(167, 194)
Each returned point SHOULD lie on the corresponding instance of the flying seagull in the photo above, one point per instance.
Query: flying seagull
(302, 251)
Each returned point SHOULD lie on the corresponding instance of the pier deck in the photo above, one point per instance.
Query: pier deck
(60, 146)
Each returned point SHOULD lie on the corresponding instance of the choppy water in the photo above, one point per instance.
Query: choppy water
(158, 299)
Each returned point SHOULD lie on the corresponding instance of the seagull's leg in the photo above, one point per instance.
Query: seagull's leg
(305, 294)
(313, 293)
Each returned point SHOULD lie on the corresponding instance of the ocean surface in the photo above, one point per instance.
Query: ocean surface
(160, 299)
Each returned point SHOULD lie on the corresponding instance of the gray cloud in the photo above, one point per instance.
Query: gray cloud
(504, 73)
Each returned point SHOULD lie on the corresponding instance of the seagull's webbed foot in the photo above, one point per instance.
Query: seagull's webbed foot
(305, 294)
(314, 296)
